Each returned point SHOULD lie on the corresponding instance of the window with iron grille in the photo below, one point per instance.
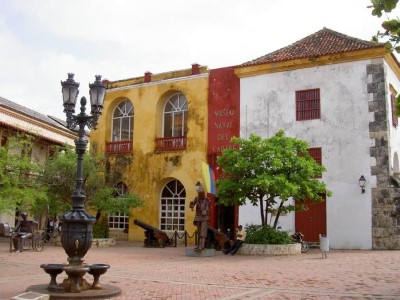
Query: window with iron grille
(119, 220)
(172, 211)
(308, 105)
(316, 153)
(395, 118)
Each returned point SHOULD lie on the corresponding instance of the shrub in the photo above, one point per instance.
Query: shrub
(101, 229)
(264, 234)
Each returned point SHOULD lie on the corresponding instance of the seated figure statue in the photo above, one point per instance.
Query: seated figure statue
(23, 231)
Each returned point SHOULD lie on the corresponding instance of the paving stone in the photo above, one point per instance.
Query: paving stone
(167, 273)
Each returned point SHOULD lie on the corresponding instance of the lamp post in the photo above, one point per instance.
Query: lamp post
(77, 224)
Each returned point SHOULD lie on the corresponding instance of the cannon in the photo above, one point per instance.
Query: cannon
(217, 239)
(154, 237)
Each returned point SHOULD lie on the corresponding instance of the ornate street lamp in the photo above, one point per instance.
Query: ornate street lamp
(77, 224)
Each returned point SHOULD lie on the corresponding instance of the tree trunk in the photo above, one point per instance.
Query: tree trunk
(266, 211)
(98, 215)
(262, 210)
(278, 214)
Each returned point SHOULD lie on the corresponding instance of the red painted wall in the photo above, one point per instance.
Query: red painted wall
(223, 118)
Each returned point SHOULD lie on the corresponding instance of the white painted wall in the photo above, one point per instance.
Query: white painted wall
(391, 79)
(268, 104)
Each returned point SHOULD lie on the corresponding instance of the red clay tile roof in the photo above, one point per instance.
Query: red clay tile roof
(323, 42)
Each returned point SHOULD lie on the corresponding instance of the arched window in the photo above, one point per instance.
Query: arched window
(175, 116)
(172, 212)
(122, 122)
(119, 220)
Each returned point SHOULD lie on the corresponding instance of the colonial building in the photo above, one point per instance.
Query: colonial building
(337, 93)
(154, 133)
(223, 124)
(48, 131)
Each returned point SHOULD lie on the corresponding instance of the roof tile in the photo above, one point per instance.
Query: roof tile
(53, 121)
(320, 43)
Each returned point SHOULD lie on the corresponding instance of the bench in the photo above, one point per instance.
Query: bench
(35, 241)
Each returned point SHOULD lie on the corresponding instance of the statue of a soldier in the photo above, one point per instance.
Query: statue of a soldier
(201, 218)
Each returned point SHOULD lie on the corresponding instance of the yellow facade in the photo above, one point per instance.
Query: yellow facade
(144, 170)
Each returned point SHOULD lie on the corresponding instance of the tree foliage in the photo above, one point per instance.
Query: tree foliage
(60, 173)
(26, 184)
(267, 173)
(391, 27)
(19, 184)
(391, 34)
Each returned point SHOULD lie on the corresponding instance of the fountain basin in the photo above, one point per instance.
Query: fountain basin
(53, 270)
(96, 270)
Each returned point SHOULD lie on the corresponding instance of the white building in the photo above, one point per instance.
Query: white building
(48, 131)
(336, 93)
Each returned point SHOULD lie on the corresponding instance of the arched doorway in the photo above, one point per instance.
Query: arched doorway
(172, 206)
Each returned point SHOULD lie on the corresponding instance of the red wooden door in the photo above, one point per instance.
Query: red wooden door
(312, 222)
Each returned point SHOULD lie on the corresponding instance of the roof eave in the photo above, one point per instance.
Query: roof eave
(293, 64)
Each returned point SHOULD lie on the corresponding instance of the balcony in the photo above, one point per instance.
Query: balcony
(170, 143)
(121, 147)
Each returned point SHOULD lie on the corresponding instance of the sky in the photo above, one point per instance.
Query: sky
(41, 41)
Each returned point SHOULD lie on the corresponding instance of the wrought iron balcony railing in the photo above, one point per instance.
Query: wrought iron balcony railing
(121, 147)
(171, 143)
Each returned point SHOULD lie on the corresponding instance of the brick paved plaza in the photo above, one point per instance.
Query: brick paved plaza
(154, 273)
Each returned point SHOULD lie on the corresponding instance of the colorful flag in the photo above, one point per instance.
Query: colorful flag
(208, 178)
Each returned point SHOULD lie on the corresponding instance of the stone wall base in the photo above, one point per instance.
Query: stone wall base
(266, 250)
(118, 235)
(103, 242)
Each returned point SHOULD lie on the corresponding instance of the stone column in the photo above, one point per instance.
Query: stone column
(385, 197)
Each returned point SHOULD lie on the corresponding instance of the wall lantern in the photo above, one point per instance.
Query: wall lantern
(362, 182)
(198, 186)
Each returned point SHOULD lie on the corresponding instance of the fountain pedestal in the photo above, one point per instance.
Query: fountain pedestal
(53, 270)
(75, 278)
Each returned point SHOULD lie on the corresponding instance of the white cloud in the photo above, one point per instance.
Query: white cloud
(42, 40)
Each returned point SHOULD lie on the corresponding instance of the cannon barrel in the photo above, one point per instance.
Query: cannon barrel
(145, 226)
(154, 236)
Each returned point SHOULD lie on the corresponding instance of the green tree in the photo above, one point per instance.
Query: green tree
(19, 185)
(391, 34)
(60, 173)
(391, 27)
(268, 172)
